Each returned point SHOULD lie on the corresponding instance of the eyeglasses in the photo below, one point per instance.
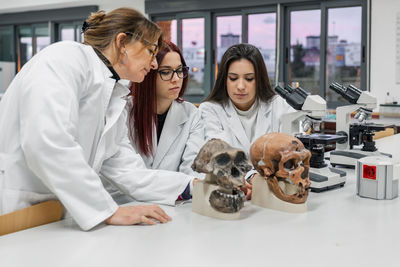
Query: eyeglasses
(167, 74)
(152, 48)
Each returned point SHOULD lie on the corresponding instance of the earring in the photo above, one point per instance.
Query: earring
(126, 58)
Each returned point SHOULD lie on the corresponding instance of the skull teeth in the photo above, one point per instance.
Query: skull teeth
(236, 194)
(225, 202)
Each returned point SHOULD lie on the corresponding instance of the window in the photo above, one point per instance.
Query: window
(228, 33)
(24, 34)
(31, 39)
(41, 37)
(188, 32)
(25, 45)
(6, 43)
(305, 36)
(70, 31)
(310, 43)
(326, 44)
(343, 62)
(7, 64)
(262, 34)
(193, 52)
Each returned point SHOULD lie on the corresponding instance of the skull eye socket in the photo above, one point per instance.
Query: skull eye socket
(304, 174)
(240, 157)
(223, 159)
(289, 164)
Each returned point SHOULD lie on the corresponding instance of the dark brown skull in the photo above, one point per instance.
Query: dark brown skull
(225, 166)
(282, 159)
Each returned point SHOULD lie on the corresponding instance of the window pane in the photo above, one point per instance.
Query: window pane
(344, 49)
(42, 37)
(193, 52)
(262, 34)
(305, 32)
(67, 33)
(7, 64)
(25, 48)
(229, 32)
(6, 44)
(169, 29)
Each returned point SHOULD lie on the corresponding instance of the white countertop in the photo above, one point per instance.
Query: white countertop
(339, 229)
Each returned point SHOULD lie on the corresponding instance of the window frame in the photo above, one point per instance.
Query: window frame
(282, 9)
(52, 17)
(196, 98)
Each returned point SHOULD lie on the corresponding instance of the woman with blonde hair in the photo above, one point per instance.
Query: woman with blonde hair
(63, 126)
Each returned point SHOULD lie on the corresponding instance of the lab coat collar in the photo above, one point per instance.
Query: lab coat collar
(106, 62)
(114, 101)
(110, 84)
(263, 116)
(176, 117)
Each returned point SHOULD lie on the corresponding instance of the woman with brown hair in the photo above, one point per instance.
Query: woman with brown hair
(166, 130)
(242, 106)
(63, 126)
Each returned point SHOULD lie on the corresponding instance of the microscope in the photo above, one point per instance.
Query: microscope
(357, 134)
(310, 111)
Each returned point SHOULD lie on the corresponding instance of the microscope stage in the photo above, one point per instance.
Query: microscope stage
(327, 178)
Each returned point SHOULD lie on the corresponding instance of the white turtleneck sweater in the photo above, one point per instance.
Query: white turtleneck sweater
(248, 119)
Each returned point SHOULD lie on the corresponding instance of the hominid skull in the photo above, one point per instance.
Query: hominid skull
(282, 159)
(225, 166)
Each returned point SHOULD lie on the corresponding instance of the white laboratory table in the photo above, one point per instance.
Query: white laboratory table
(339, 229)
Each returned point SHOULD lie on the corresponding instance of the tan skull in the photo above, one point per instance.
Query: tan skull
(282, 159)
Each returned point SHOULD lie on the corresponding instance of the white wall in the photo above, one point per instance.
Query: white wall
(30, 5)
(383, 49)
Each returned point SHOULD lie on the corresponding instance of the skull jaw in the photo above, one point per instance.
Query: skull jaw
(229, 182)
(297, 198)
(226, 202)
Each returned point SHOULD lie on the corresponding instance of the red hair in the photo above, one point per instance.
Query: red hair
(143, 115)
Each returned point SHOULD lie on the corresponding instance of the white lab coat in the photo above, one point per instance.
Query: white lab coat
(62, 126)
(181, 139)
(222, 121)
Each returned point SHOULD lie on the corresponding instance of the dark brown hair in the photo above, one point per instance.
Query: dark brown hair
(143, 115)
(236, 52)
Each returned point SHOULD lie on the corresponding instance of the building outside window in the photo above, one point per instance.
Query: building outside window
(309, 43)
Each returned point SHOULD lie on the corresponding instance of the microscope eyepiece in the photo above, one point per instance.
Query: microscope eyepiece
(294, 97)
(282, 92)
(351, 93)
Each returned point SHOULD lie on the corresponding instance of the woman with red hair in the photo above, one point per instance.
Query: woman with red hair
(166, 130)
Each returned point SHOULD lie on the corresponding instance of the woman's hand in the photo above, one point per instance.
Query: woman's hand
(247, 190)
(248, 187)
(138, 214)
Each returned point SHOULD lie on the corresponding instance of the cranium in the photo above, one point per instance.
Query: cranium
(225, 166)
(282, 159)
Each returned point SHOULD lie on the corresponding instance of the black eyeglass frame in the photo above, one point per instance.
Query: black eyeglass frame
(183, 68)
